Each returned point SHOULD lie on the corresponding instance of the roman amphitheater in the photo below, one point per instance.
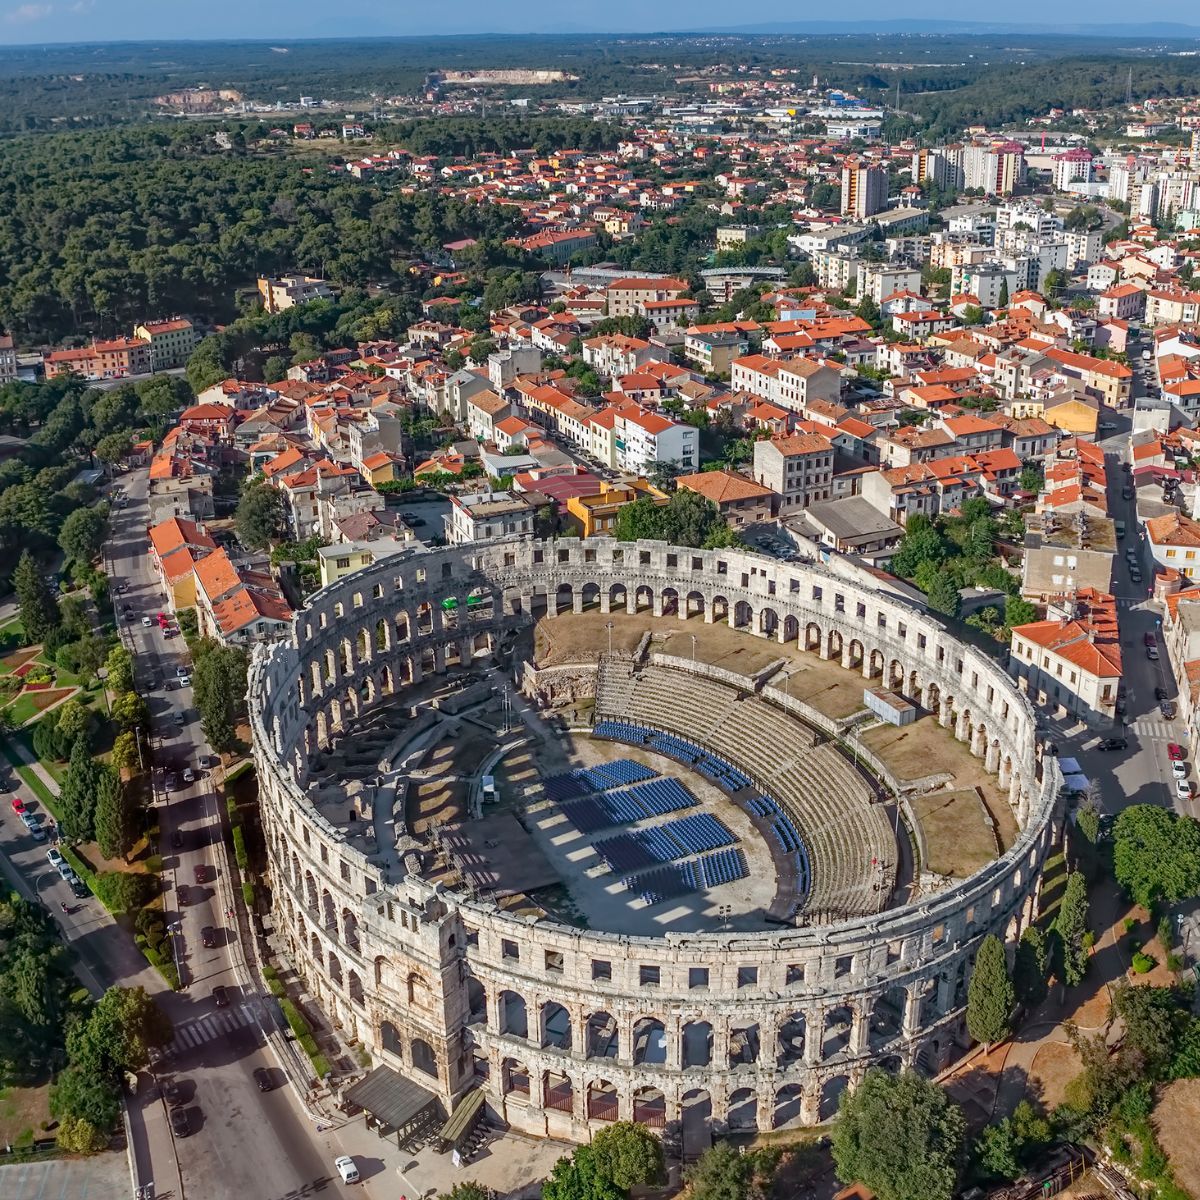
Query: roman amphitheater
(572, 832)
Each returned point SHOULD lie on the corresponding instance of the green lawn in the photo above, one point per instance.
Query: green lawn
(12, 635)
(30, 777)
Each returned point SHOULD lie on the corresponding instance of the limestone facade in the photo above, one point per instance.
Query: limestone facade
(567, 1028)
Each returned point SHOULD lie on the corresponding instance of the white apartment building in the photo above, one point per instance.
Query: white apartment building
(481, 516)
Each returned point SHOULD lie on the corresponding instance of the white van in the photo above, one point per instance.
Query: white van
(346, 1169)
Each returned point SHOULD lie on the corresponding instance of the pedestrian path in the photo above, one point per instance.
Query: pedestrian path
(207, 1029)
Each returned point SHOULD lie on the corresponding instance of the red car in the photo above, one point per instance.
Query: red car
(1175, 753)
(18, 805)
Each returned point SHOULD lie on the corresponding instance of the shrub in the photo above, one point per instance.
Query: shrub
(123, 892)
(1142, 963)
(1174, 963)
(320, 1065)
(1129, 924)
(248, 895)
(275, 987)
(239, 848)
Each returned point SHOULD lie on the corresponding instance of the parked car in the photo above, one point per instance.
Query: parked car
(221, 996)
(199, 872)
(1167, 708)
(1179, 770)
(78, 888)
(1183, 788)
(176, 840)
(182, 892)
(55, 859)
(147, 622)
(18, 805)
(346, 1169)
(180, 1125)
(185, 681)
(189, 776)
(171, 782)
(264, 1079)
(1174, 752)
(1112, 743)
(1136, 576)
(208, 937)
(172, 1092)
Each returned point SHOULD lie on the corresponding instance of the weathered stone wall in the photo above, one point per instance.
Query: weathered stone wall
(761, 1028)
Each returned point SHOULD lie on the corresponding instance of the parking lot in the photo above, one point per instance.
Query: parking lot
(102, 1177)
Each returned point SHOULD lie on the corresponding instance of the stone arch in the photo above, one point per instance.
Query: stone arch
(791, 1039)
(649, 1107)
(383, 635)
(743, 615)
(835, 1031)
(649, 1042)
(643, 597)
(383, 972)
(514, 1018)
(417, 989)
(741, 1112)
(743, 1045)
(833, 643)
(887, 1017)
(933, 697)
(389, 1039)
(875, 661)
(791, 628)
(401, 627)
(603, 1103)
(696, 1110)
(768, 622)
(424, 616)
(328, 910)
(618, 596)
(424, 1058)
(564, 598)
(856, 654)
(558, 1092)
(694, 604)
(362, 645)
(719, 608)
(310, 891)
(895, 677)
(314, 945)
(477, 1011)
(590, 595)
(600, 1036)
(789, 1101)
(514, 1077)
(697, 1044)
(812, 637)
(831, 1095)
(556, 1026)
(334, 968)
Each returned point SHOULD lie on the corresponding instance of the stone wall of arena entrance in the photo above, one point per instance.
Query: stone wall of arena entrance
(567, 1029)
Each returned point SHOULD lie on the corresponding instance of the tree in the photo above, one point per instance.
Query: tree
(902, 1136)
(629, 1155)
(943, 595)
(75, 1135)
(80, 1094)
(1002, 299)
(1087, 821)
(1071, 927)
(576, 1178)
(1156, 854)
(972, 314)
(1004, 1148)
(77, 797)
(83, 533)
(219, 688)
(721, 1173)
(133, 1025)
(39, 610)
(868, 310)
(261, 517)
(275, 369)
(990, 995)
(119, 668)
(130, 711)
(467, 1190)
(1018, 612)
(114, 448)
(124, 891)
(115, 817)
(124, 755)
(1032, 966)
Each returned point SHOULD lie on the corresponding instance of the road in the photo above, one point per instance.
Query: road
(244, 1143)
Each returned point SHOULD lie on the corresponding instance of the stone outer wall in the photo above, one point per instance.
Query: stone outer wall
(757, 1028)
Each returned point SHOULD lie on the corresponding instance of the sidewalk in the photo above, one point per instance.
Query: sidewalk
(107, 956)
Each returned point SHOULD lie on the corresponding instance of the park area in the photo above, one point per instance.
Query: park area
(30, 684)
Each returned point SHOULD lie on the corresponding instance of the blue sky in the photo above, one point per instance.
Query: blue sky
(34, 21)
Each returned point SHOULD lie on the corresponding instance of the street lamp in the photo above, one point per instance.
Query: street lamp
(609, 626)
(693, 637)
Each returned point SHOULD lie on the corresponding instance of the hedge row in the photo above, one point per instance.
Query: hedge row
(303, 1034)
(239, 848)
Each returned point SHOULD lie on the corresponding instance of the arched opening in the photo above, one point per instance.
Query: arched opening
(742, 1112)
(602, 1101)
(720, 608)
(649, 1042)
(670, 602)
(328, 912)
(791, 629)
(887, 1017)
(896, 675)
(836, 1033)
(617, 596)
(891, 1063)
(318, 956)
(334, 967)
(310, 890)
(831, 1095)
(382, 635)
(791, 1040)
(564, 598)
(383, 972)
(515, 1078)
(833, 644)
(424, 617)
(590, 594)
(556, 1026)
(476, 1002)
(812, 637)
(514, 1020)
(557, 1092)
(350, 929)
(389, 1039)
(768, 622)
(423, 1057)
(743, 1045)
(401, 627)
(643, 598)
(876, 661)
(601, 1036)
(857, 654)
(696, 1114)
(697, 1044)
(694, 602)
(355, 987)
(788, 1103)
(649, 1107)
(417, 989)
(743, 615)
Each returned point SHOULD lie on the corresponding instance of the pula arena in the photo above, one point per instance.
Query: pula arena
(566, 1029)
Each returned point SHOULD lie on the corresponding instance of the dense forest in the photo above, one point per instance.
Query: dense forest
(94, 85)
(97, 230)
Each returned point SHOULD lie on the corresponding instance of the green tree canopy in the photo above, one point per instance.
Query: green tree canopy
(722, 1172)
(82, 534)
(116, 816)
(628, 1155)
(219, 687)
(39, 610)
(1032, 966)
(990, 996)
(902, 1136)
(261, 515)
(77, 797)
(1071, 926)
(1156, 854)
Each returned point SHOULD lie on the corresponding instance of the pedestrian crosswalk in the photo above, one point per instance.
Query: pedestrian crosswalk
(206, 1029)
(1147, 727)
